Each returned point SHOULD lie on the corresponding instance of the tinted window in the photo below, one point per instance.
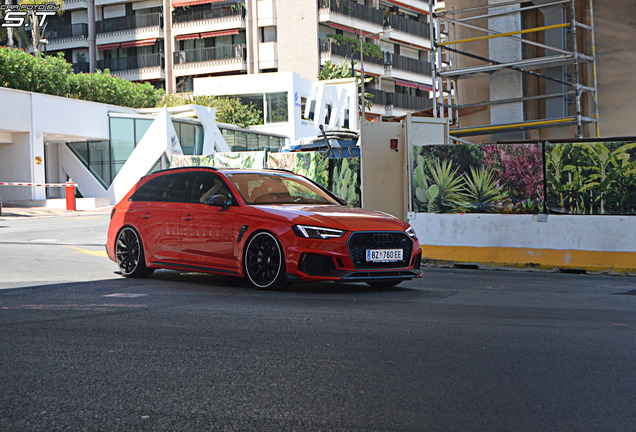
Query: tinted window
(166, 188)
(269, 188)
(207, 185)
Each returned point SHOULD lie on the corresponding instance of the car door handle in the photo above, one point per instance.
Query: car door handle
(187, 217)
(146, 216)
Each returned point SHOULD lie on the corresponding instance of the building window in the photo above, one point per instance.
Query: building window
(276, 107)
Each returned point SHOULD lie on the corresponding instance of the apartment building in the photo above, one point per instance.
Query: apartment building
(135, 40)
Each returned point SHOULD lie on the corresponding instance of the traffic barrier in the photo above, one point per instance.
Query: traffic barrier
(69, 190)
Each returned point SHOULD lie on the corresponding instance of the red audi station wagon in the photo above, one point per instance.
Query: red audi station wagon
(269, 226)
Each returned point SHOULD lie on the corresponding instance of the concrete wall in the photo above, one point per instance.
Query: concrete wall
(595, 243)
(33, 119)
(340, 94)
(15, 166)
(615, 24)
(297, 37)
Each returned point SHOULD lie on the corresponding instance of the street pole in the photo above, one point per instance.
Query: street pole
(362, 83)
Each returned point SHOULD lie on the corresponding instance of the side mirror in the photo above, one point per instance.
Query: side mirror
(219, 201)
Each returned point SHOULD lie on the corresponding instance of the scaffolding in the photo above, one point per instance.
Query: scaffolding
(579, 87)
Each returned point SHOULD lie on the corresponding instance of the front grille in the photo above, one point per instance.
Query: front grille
(316, 265)
(359, 242)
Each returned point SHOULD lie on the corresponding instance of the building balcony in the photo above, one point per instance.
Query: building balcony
(211, 54)
(399, 101)
(128, 23)
(405, 25)
(56, 33)
(130, 63)
(353, 10)
(346, 50)
(210, 61)
(190, 14)
(394, 62)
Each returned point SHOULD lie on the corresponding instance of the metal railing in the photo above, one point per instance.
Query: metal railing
(128, 23)
(126, 63)
(66, 31)
(181, 15)
(409, 26)
(395, 61)
(400, 100)
(210, 54)
(353, 10)
(345, 50)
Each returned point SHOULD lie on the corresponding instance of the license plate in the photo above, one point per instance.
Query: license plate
(384, 255)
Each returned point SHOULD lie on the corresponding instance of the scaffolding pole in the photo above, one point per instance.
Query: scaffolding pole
(447, 75)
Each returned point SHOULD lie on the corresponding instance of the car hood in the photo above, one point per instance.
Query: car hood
(333, 216)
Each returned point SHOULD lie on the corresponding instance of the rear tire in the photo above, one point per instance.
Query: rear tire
(385, 283)
(264, 261)
(129, 253)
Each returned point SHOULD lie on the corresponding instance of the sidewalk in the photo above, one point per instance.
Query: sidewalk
(14, 212)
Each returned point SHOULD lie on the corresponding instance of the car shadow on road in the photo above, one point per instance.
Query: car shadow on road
(207, 280)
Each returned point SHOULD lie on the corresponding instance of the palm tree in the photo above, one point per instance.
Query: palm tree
(35, 21)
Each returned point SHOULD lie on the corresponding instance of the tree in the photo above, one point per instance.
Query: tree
(35, 20)
(331, 71)
(229, 109)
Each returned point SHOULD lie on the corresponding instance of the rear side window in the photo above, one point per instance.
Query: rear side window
(165, 188)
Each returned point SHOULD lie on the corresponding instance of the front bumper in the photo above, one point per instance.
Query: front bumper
(361, 276)
(336, 260)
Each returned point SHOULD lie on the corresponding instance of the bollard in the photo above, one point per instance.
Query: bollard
(69, 188)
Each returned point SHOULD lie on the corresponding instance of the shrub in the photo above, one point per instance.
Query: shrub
(54, 75)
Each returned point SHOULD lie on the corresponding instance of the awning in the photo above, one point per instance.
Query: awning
(406, 83)
(181, 3)
(108, 46)
(343, 28)
(219, 33)
(408, 6)
(139, 43)
(425, 87)
(188, 36)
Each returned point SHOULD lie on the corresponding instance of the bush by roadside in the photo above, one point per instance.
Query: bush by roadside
(54, 75)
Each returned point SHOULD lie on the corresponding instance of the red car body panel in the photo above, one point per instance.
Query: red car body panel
(200, 237)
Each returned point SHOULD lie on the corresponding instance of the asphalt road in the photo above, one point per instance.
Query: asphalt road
(83, 349)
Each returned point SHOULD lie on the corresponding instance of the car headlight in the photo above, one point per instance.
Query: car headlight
(411, 233)
(317, 232)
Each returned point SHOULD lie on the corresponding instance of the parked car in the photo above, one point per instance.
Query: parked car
(269, 226)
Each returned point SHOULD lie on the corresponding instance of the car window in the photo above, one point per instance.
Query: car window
(270, 188)
(165, 188)
(207, 185)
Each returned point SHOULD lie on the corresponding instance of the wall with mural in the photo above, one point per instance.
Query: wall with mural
(340, 175)
(527, 178)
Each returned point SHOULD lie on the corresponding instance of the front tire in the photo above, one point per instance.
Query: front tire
(264, 261)
(129, 253)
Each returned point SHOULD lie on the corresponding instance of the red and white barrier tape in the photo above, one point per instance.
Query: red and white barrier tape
(38, 184)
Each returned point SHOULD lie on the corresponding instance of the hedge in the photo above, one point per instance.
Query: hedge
(54, 75)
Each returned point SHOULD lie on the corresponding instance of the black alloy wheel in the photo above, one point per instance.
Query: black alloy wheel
(129, 253)
(264, 265)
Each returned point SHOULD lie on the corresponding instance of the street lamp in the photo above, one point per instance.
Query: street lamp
(362, 37)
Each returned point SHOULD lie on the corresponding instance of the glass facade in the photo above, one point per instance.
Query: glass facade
(105, 158)
(250, 141)
(274, 106)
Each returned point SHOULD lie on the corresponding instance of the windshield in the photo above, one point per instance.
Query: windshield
(278, 188)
